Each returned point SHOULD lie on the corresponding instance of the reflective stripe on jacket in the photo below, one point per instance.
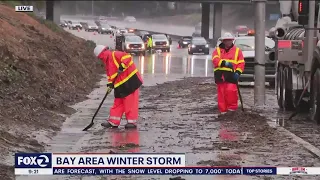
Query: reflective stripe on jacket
(129, 80)
(233, 55)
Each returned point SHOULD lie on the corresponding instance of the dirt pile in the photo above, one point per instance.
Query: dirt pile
(42, 70)
(259, 133)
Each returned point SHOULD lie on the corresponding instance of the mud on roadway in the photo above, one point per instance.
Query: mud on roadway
(182, 116)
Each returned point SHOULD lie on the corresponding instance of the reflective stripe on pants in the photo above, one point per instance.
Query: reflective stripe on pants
(132, 121)
(114, 120)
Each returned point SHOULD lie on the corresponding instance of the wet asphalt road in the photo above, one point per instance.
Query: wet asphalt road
(154, 129)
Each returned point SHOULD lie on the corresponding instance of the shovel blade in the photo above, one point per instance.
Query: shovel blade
(88, 127)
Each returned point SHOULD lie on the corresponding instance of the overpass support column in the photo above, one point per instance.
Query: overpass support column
(205, 24)
(53, 11)
(260, 58)
(49, 10)
(217, 22)
(56, 11)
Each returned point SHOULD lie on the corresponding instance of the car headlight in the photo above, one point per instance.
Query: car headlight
(184, 42)
(142, 46)
(154, 43)
(193, 46)
(128, 46)
(168, 43)
(103, 28)
(207, 45)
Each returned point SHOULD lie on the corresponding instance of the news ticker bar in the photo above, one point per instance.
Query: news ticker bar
(168, 171)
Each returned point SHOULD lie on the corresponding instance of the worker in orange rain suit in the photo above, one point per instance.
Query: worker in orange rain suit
(228, 65)
(128, 139)
(126, 86)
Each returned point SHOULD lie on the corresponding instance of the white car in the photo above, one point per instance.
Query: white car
(75, 25)
(130, 19)
(247, 45)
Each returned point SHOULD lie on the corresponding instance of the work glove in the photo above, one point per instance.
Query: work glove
(228, 64)
(110, 85)
(236, 76)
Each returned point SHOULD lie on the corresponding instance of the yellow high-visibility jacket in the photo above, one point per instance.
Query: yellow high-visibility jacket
(149, 42)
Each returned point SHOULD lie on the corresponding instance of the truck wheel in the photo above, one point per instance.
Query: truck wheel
(287, 101)
(168, 50)
(279, 87)
(315, 97)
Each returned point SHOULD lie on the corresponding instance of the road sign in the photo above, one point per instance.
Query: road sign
(274, 17)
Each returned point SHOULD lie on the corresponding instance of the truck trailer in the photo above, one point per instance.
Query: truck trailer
(297, 54)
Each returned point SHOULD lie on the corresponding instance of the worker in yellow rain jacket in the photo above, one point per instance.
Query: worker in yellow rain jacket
(149, 44)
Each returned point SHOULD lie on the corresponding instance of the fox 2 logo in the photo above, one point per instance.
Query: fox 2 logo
(33, 160)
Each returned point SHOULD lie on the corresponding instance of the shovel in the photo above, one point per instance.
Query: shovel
(104, 98)
(239, 94)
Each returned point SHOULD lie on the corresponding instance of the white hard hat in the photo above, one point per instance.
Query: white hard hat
(98, 49)
(226, 36)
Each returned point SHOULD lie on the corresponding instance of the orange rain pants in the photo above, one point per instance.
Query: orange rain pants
(227, 96)
(128, 105)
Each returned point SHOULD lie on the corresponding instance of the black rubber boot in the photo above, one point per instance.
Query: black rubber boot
(108, 125)
(130, 126)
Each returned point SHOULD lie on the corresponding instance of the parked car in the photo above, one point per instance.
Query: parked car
(131, 30)
(91, 27)
(74, 25)
(63, 24)
(84, 24)
(133, 44)
(105, 29)
(198, 45)
(160, 42)
(184, 41)
(120, 39)
(247, 45)
(122, 31)
(241, 30)
(130, 19)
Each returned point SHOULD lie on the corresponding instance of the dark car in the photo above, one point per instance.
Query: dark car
(120, 39)
(198, 45)
(184, 41)
(105, 29)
